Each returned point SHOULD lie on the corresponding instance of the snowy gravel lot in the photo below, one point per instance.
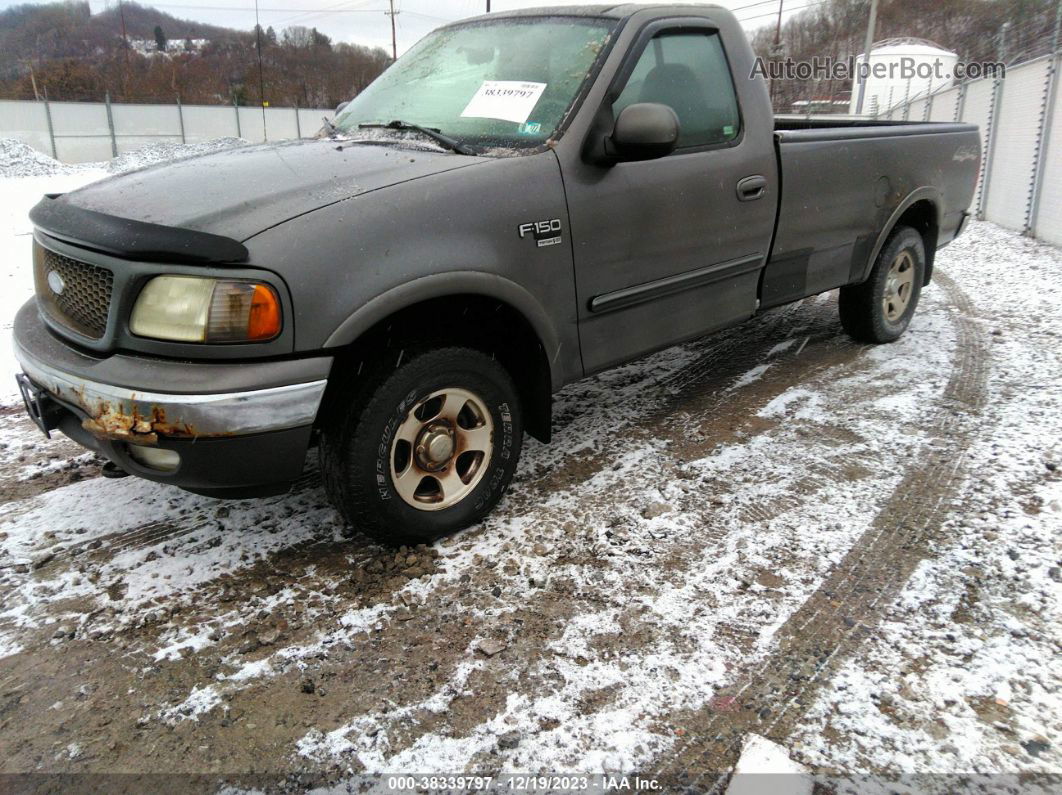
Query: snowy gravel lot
(852, 551)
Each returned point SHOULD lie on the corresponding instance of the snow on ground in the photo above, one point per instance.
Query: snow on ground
(690, 505)
(962, 675)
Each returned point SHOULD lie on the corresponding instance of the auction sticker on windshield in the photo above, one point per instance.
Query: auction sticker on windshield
(507, 100)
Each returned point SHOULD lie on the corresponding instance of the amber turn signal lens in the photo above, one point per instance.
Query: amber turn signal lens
(264, 320)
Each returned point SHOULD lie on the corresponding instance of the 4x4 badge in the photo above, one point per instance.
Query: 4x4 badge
(545, 233)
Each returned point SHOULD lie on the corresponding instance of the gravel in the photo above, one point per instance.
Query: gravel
(21, 160)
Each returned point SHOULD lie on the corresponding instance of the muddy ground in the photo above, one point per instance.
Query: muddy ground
(773, 530)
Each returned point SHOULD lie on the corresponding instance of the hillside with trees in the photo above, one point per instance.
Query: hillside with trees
(65, 52)
(971, 28)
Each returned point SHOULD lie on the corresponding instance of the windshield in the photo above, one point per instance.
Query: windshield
(503, 83)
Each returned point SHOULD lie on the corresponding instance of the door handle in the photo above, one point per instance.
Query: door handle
(751, 188)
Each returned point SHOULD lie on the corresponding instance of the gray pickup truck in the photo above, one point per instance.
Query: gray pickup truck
(521, 200)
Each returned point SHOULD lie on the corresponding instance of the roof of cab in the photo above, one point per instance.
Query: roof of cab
(613, 10)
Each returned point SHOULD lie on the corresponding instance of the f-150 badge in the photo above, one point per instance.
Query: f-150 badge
(545, 233)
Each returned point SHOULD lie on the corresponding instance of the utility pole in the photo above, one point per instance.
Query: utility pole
(394, 41)
(125, 48)
(261, 75)
(121, 15)
(488, 6)
(1003, 42)
(33, 80)
(776, 50)
(863, 73)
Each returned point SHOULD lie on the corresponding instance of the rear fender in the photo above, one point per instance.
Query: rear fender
(921, 194)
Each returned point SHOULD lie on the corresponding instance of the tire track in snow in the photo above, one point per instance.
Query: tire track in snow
(832, 624)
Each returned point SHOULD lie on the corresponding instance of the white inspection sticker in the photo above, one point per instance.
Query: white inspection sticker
(508, 100)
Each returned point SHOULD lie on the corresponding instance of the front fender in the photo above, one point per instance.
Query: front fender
(354, 263)
(441, 285)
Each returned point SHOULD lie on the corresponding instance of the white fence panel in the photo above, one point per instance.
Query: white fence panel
(945, 105)
(918, 110)
(251, 125)
(1048, 223)
(137, 126)
(1017, 122)
(146, 120)
(206, 122)
(81, 131)
(280, 123)
(311, 121)
(976, 110)
(26, 121)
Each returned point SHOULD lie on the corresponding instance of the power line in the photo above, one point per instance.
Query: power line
(772, 13)
(752, 5)
(298, 11)
(343, 7)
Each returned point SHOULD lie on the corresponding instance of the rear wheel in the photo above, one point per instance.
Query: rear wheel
(422, 449)
(880, 309)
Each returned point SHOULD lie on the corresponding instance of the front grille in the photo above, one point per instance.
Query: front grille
(84, 299)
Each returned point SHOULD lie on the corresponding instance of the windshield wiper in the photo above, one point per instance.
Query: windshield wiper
(436, 135)
(333, 131)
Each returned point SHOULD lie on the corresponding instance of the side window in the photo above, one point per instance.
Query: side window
(689, 73)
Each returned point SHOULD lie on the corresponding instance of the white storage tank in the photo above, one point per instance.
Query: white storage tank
(902, 68)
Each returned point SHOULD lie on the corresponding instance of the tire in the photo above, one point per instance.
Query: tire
(875, 311)
(416, 451)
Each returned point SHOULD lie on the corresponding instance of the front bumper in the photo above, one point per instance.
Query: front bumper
(239, 429)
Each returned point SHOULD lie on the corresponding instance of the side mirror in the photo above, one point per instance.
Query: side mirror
(340, 106)
(643, 131)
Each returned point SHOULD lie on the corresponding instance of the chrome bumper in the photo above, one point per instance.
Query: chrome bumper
(109, 411)
(119, 412)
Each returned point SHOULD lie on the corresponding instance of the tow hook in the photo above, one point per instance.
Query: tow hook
(112, 470)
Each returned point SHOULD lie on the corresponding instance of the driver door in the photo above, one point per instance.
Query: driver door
(669, 249)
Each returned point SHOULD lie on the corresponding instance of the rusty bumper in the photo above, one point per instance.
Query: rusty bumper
(120, 413)
(238, 429)
(125, 414)
(162, 407)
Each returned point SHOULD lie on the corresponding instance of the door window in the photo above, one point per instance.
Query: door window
(689, 73)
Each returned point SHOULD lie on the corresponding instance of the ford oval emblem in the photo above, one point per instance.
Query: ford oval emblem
(55, 281)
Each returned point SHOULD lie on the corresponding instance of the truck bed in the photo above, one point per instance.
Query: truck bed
(844, 181)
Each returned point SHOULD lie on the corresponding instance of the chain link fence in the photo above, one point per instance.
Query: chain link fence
(80, 132)
(1020, 186)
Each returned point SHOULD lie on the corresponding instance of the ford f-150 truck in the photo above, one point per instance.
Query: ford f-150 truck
(519, 201)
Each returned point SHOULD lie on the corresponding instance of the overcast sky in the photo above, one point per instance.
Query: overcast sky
(364, 21)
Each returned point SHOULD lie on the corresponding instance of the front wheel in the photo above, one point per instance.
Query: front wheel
(880, 309)
(423, 448)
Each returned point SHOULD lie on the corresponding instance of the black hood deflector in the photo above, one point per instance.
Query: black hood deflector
(130, 239)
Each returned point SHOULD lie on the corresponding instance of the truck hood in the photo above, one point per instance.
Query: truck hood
(242, 191)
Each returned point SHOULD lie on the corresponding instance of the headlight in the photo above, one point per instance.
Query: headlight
(194, 309)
